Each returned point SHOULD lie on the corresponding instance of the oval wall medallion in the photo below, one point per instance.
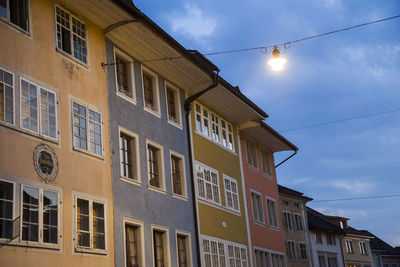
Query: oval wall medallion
(45, 162)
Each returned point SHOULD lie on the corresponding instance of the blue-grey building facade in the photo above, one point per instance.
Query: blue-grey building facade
(154, 220)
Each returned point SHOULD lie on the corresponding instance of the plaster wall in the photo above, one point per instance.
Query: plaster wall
(137, 201)
(356, 257)
(34, 57)
(325, 249)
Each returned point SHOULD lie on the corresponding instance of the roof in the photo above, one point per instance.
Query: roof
(353, 231)
(378, 244)
(285, 190)
(317, 223)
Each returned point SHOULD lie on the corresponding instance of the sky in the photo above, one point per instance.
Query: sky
(339, 76)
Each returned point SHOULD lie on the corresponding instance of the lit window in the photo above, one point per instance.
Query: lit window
(251, 154)
(132, 245)
(272, 213)
(173, 104)
(150, 91)
(160, 247)
(16, 12)
(287, 221)
(7, 207)
(38, 109)
(71, 35)
(303, 251)
(266, 163)
(257, 207)
(40, 222)
(178, 174)
(6, 96)
(291, 250)
(231, 193)
(87, 126)
(298, 221)
(155, 165)
(90, 225)
(207, 184)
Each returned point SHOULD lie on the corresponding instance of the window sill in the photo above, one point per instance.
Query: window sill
(16, 27)
(233, 210)
(259, 223)
(126, 97)
(131, 181)
(157, 189)
(218, 144)
(177, 125)
(90, 251)
(217, 206)
(71, 58)
(182, 197)
(268, 176)
(275, 228)
(78, 149)
(152, 111)
(30, 244)
(28, 132)
(256, 169)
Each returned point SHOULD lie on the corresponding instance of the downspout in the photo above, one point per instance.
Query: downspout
(283, 161)
(187, 106)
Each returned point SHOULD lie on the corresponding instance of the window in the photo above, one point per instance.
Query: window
(6, 207)
(124, 77)
(262, 258)
(298, 220)
(291, 250)
(40, 220)
(321, 260)
(272, 213)
(71, 35)
(221, 253)
(38, 109)
(87, 126)
(155, 165)
(363, 248)
(183, 249)
(16, 12)
(277, 260)
(318, 238)
(303, 251)
(257, 207)
(150, 91)
(287, 221)
(90, 225)
(221, 132)
(237, 256)
(266, 163)
(129, 156)
(173, 104)
(332, 261)
(349, 246)
(251, 154)
(330, 239)
(231, 193)
(6, 96)
(178, 174)
(160, 247)
(133, 245)
(207, 184)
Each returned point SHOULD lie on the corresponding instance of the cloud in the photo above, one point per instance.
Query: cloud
(193, 23)
(330, 3)
(352, 186)
(342, 212)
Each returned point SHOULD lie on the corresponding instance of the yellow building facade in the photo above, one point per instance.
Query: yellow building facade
(55, 176)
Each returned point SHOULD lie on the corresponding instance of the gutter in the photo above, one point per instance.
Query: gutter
(187, 106)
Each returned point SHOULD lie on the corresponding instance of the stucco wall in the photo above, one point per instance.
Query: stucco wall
(35, 57)
(325, 248)
(356, 257)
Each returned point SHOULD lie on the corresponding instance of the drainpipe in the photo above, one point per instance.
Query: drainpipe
(187, 105)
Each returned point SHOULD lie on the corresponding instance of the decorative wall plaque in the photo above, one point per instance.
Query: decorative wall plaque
(45, 162)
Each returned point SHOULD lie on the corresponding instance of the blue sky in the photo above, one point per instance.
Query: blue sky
(334, 77)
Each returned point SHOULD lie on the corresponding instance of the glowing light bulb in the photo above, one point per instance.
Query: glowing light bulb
(276, 63)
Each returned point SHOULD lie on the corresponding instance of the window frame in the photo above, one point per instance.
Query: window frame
(266, 160)
(291, 246)
(161, 169)
(8, 22)
(298, 218)
(254, 162)
(79, 19)
(39, 87)
(131, 76)
(305, 251)
(363, 247)
(90, 198)
(226, 191)
(349, 246)
(13, 206)
(156, 91)
(136, 172)
(289, 222)
(13, 75)
(140, 225)
(204, 167)
(94, 109)
(318, 238)
(330, 239)
(177, 97)
(259, 202)
(188, 247)
(166, 244)
(183, 177)
(275, 211)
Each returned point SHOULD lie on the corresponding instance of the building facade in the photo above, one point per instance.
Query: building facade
(55, 176)
(295, 226)
(325, 240)
(258, 143)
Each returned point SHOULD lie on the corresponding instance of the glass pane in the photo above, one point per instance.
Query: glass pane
(49, 234)
(6, 190)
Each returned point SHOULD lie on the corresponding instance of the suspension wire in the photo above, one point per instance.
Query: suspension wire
(355, 198)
